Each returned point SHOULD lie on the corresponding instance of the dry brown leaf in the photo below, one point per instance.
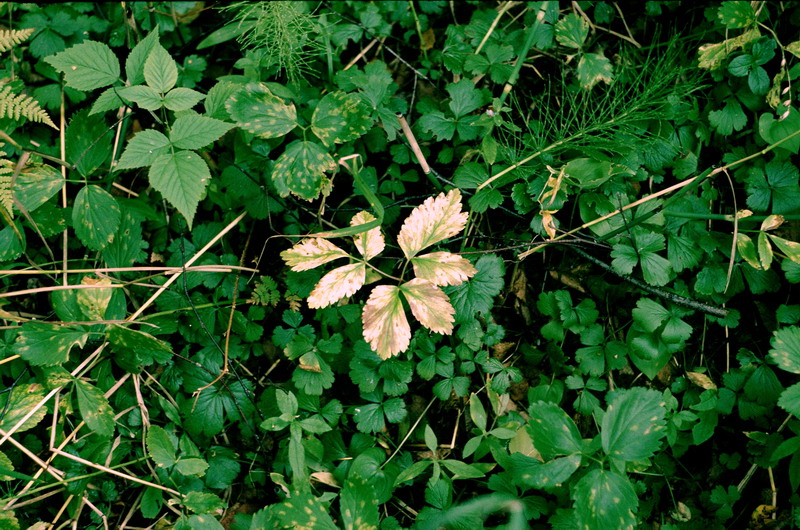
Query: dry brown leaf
(429, 305)
(337, 284)
(432, 221)
(311, 253)
(371, 242)
(443, 268)
(701, 380)
(386, 328)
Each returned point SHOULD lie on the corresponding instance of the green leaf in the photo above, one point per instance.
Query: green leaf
(223, 468)
(143, 149)
(301, 168)
(785, 350)
(478, 294)
(181, 177)
(256, 110)
(790, 400)
(201, 522)
(303, 510)
(776, 184)
(36, 185)
(773, 131)
(790, 248)
(736, 14)
(142, 347)
(552, 431)
(572, 30)
(358, 504)
(477, 412)
(144, 96)
(18, 403)
(604, 499)
(443, 127)
(87, 66)
(633, 424)
(191, 467)
(96, 217)
(464, 97)
(160, 447)
(88, 143)
(128, 247)
(655, 268)
(47, 344)
(593, 68)
(412, 471)
(94, 407)
(180, 98)
(195, 132)
(730, 118)
(340, 118)
(160, 70)
(549, 474)
(462, 469)
(203, 502)
(94, 301)
(134, 64)
(6, 466)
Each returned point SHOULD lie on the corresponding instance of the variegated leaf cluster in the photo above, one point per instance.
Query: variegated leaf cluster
(386, 327)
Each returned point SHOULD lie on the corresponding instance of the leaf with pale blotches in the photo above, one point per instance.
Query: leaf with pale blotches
(337, 284)
(311, 253)
(432, 221)
(443, 268)
(371, 242)
(429, 305)
(386, 328)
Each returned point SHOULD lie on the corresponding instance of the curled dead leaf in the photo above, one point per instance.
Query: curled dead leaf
(701, 380)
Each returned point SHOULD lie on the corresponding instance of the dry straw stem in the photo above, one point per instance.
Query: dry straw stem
(500, 12)
(412, 141)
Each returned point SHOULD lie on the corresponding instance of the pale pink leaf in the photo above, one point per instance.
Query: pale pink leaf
(386, 328)
(429, 305)
(371, 242)
(431, 222)
(311, 253)
(337, 284)
(443, 268)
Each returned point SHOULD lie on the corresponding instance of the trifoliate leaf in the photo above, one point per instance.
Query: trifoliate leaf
(777, 184)
(87, 65)
(18, 403)
(433, 221)
(655, 268)
(95, 216)
(160, 70)
(301, 169)
(386, 328)
(785, 350)
(633, 424)
(339, 118)
(311, 253)
(47, 344)
(429, 305)
(258, 111)
(443, 268)
(730, 118)
(195, 132)
(477, 295)
(181, 177)
(371, 242)
(93, 302)
(94, 407)
(143, 149)
(160, 447)
(593, 68)
(337, 284)
(605, 499)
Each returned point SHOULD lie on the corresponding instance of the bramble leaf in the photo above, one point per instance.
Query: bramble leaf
(386, 328)
(181, 177)
(182, 99)
(477, 295)
(370, 243)
(311, 253)
(443, 268)
(337, 284)
(87, 65)
(143, 149)
(195, 132)
(429, 305)
(258, 111)
(593, 68)
(434, 220)
(134, 64)
(160, 70)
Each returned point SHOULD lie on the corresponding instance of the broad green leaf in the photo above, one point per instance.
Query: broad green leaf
(110, 99)
(462, 469)
(476, 412)
(179, 99)
(429, 305)
(94, 302)
(434, 220)
(478, 294)
(337, 284)
(303, 511)
(736, 14)
(790, 400)
(412, 471)
(644, 249)
(633, 424)
(593, 68)
(775, 185)
(143, 149)
(160, 447)
(443, 268)
(464, 97)
(196, 132)
(604, 499)
(18, 403)
(257, 110)
(790, 248)
(36, 184)
(223, 467)
(301, 169)
(358, 504)
(549, 474)
(199, 522)
(87, 65)
(128, 247)
(340, 118)
(442, 126)
(181, 177)
(572, 30)
(216, 98)
(88, 143)
(552, 431)
(160, 70)
(5, 465)
(94, 407)
(47, 344)
(144, 96)
(134, 64)
(371, 242)
(311, 253)
(143, 347)
(773, 130)
(730, 118)
(203, 502)
(785, 350)
(386, 328)
(195, 467)
(96, 217)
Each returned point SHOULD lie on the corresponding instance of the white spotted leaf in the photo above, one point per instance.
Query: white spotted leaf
(785, 350)
(181, 177)
(429, 305)
(386, 328)
(552, 431)
(301, 511)
(311, 253)
(96, 217)
(47, 344)
(94, 408)
(94, 301)
(337, 284)
(301, 169)
(434, 220)
(257, 110)
(369, 243)
(443, 268)
(605, 499)
(87, 65)
(633, 425)
(340, 117)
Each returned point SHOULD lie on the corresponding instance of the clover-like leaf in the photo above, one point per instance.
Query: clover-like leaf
(311, 253)
(429, 305)
(443, 268)
(371, 242)
(432, 221)
(337, 284)
(386, 328)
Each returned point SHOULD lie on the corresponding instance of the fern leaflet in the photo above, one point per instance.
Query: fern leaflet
(11, 37)
(17, 105)
(6, 175)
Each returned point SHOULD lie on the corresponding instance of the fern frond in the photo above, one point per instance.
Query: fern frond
(17, 105)
(11, 37)
(6, 198)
